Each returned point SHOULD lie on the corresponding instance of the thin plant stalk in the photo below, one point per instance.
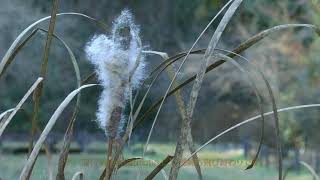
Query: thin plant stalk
(43, 70)
(276, 118)
(181, 105)
(197, 85)
(27, 169)
(159, 168)
(78, 174)
(4, 123)
(171, 83)
(291, 108)
(242, 47)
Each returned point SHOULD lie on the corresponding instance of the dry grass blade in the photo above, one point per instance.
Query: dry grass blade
(247, 44)
(242, 47)
(173, 79)
(6, 121)
(310, 169)
(45, 146)
(18, 49)
(159, 168)
(43, 70)
(182, 111)
(201, 34)
(277, 129)
(80, 174)
(274, 107)
(155, 77)
(13, 48)
(272, 30)
(67, 138)
(163, 172)
(31, 160)
(117, 154)
(169, 60)
(181, 106)
(89, 78)
(49, 158)
(258, 96)
(248, 121)
(162, 54)
(197, 86)
(276, 117)
(286, 172)
(2, 115)
(127, 161)
(208, 54)
(163, 66)
(77, 72)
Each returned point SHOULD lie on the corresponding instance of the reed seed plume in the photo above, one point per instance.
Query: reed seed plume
(120, 67)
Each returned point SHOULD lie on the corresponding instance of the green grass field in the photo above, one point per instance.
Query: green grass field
(224, 166)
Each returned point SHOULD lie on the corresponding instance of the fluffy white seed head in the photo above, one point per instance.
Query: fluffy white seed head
(117, 59)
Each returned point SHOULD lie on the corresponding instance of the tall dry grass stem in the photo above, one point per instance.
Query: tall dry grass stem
(27, 169)
(181, 105)
(43, 71)
(79, 174)
(291, 108)
(242, 47)
(4, 123)
(197, 85)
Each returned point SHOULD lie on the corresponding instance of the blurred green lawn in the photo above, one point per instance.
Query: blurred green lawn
(92, 164)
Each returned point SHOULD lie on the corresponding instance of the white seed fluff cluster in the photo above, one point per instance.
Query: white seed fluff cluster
(116, 58)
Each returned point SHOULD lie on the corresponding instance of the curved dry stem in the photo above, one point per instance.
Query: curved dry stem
(32, 158)
(276, 118)
(155, 77)
(2, 115)
(77, 73)
(310, 169)
(170, 59)
(197, 85)
(248, 121)
(181, 106)
(43, 72)
(80, 174)
(159, 168)
(67, 137)
(5, 122)
(17, 50)
(45, 146)
(306, 165)
(242, 47)
(15, 44)
(171, 83)
(89, 78)
(274, 107)
(127, 161)
(258, 96)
